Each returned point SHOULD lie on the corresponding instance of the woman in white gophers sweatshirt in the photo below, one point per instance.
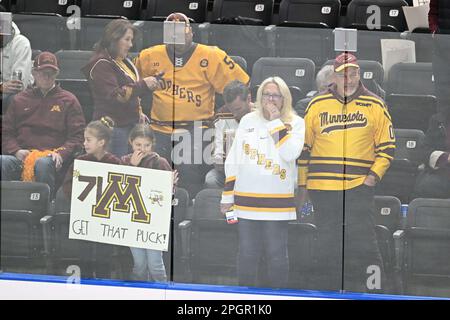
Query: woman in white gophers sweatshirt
(261, 175)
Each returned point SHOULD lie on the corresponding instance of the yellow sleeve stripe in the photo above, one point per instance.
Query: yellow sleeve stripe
(282, 141)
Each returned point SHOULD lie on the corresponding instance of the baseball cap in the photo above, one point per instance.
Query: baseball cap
(45, 60)
(345, 60)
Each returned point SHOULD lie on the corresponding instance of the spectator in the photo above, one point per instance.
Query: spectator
(116, 84)
(147, 262)
(434, 181)
(237, 104)
(15, 52)
(96, 257)
(349, 145)
(42, 128)
(439, 22)
(324, 78)
(260, 180)
(186, 102)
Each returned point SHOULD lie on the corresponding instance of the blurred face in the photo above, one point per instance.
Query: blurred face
(45, 78)
(347, 81)
(92, 144)
(239, 107)
(179, 48)
(125, 44)
(272, 96)
(142, 144)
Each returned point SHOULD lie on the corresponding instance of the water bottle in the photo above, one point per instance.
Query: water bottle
(307, 209)
(404, 210)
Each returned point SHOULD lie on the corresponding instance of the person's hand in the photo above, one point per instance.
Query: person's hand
(224, 207)
(12, 86)
(370, 181)
(143, 118)
(57, 159)
(152, 83)
(22, 154)
(272, 111)
(136, 158)
(301, 198)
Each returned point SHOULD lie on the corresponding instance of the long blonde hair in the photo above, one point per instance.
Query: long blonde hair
(287, 112)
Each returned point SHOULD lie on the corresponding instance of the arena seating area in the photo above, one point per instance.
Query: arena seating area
(289, 38)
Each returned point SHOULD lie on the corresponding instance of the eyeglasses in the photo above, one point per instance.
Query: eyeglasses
(274, 97)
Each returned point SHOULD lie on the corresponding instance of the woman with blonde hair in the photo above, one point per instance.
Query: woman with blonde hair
(260, 174)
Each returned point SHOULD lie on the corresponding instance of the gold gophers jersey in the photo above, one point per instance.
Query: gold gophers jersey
(344, 142)
(189, 83)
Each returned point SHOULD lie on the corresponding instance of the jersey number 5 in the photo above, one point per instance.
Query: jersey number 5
(229, 62)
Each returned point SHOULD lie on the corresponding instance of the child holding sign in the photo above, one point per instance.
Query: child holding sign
(141, 139)
(97, 136)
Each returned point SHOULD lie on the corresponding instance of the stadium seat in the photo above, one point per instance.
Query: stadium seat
(23, 205)
(391, 13)
(259, 11)
(423, 44)
(400, 178)
(44, 6)
(46, 31)
(6, 4)
(411, 78)
(158, 10)
(372, 74)
(209, 244)
(411, 111)
(80, 88)
(427, 251)
(70, 63)
(112, 8)
(298, 73)
(388, 220)
(309, 13)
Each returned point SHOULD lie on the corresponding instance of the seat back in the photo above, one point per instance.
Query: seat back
(310, 11)
(407, 144)
(261, 10)
(44, 6)
(23, 205)
(296, 72)
(411, 78)
(128, 9)
(70, 63)
(159, 9)
(391, 13)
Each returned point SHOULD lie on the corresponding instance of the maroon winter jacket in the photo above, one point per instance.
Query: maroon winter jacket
(152, 161)
(33, 121)
(67, 184)
(115, 94)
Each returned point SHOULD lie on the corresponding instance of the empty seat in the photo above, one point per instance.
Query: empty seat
(44, 6)
(400, 178)
(46, 32)
(423, 44)
(23, 205)
(112, 8)
(306, 13)
(298, 73)
(210, 245)
(391, 14)
(427, 250)
(388, 219)
(258, 10)
(411, 78)
(70, 63)
(411, 111)
(159, 9)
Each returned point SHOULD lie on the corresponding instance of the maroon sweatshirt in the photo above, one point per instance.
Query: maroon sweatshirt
(115, 93)
(107, 158)
(37, 122)
(152, 161)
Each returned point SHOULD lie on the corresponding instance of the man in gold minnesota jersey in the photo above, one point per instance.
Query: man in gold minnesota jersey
(349, 145)
(190, 76)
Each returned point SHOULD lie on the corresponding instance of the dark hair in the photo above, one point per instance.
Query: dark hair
(235, 89)
(102, 128)
(113, 32)
(142, 130)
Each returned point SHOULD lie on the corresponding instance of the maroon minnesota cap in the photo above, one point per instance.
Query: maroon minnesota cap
(45, 60)
(345, 60)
